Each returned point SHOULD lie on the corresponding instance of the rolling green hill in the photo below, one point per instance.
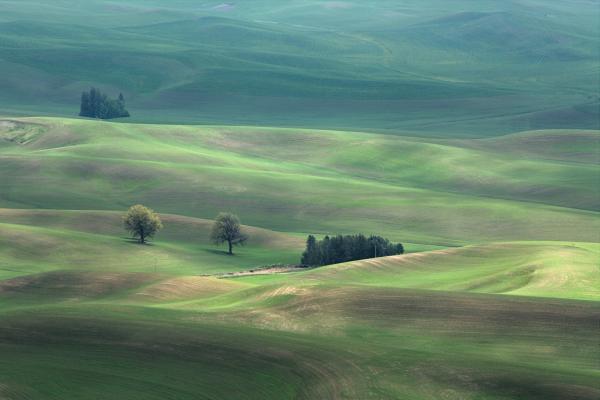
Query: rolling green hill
(37, 241)
(541, 269)
(498, 298)
(466, 69)
(289, 180)
(82, 333)
(467, 130)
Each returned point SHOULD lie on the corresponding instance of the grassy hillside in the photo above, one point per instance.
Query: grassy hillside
(482, 158)
(135, 353)
(146, 335)
(466, 69)
(37, 241)
(95, 325)
(541, 269)
(498, 300)
(290, 180)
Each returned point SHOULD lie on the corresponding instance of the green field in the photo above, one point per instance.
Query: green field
(497, 298)
(467, 130)
(432, 67)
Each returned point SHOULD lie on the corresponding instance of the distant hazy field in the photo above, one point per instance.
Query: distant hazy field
(435, 67)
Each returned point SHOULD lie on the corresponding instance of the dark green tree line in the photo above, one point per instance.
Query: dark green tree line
(95, 104)
(338, 249)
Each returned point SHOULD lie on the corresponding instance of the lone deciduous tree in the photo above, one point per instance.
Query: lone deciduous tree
(142, 222)
(227, 229)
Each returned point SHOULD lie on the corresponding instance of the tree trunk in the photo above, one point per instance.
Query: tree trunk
(142, 239)
(230, 247)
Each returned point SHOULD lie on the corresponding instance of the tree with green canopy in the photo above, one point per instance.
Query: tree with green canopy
(142, 222)
(227, 228)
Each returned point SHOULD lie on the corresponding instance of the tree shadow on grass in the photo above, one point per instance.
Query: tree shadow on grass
(219, 252)
(136, 241)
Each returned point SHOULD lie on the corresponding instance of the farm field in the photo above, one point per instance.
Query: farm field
(466, 131)
(497, 297)
(431, 67)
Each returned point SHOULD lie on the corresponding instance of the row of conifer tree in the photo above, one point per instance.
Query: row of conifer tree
(95, 104)
(338, 249)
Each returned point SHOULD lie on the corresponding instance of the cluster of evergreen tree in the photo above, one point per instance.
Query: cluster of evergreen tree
(338, 249)
(95, 104)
